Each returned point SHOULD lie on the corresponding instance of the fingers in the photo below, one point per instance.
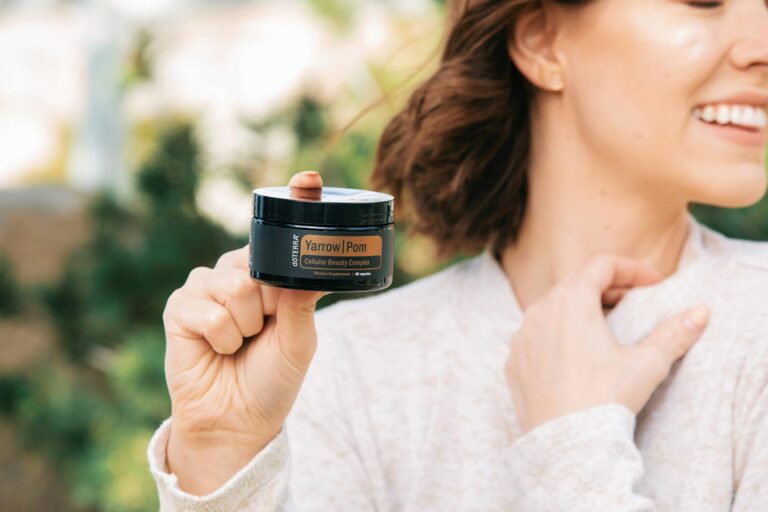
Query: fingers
(613, 296)
(238, 259)
(296, 313)
(234, 259)
(270, 296)
(306, 185)
(671, 340)
(306, 179)
(303, 185)
(203, 318)
(605, 271)
(606, 278)
(224, 304)
(296, 325)
(235, 290)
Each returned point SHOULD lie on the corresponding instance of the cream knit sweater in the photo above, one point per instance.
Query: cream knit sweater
(406, 408)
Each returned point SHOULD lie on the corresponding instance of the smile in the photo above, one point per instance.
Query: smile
(745, 116)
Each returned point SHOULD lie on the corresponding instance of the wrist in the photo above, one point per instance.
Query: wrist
(203, 462)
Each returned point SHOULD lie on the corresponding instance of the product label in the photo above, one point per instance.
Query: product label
(334, 251)
(356, 254)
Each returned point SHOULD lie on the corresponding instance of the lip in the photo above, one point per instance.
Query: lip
(753, 98)
(756, 138)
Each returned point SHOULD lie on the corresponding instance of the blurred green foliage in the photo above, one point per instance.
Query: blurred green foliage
(136, 258)
(10, 294)
(92, 406)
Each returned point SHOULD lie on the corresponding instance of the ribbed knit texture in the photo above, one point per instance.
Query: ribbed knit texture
(406, 408)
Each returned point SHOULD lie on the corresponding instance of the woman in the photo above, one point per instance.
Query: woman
(604, 351)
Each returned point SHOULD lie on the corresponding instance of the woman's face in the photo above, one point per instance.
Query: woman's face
(635, 71)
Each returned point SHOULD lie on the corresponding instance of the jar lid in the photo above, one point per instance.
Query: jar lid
(336, 207)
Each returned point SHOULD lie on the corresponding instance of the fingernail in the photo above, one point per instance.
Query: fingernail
(310, 173)
(696, 318)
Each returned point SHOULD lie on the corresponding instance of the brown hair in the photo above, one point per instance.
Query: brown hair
(459, 148)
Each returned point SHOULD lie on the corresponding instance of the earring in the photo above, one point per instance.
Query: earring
(556, 82)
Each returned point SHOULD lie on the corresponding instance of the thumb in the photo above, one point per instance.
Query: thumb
(295, 317)
(673, 337)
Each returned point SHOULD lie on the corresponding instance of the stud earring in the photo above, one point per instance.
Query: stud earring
(556, 82)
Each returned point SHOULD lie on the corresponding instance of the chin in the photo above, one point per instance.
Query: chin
(743, 186)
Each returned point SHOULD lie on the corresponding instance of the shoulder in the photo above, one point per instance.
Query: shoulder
(738, 276)
(742, 266)
(745, 255)
(751, 255)
(743, 289)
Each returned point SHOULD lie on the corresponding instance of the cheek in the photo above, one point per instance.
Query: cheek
(670, 80)
(636, 83)
(683, 57)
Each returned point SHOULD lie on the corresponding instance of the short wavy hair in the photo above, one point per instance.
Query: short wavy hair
(456, 155)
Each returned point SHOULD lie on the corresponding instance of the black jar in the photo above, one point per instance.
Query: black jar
(341, 242)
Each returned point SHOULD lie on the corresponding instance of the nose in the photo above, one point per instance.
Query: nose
(752, 46)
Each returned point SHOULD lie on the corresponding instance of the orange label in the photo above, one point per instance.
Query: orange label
(330, 245)
(340, 252)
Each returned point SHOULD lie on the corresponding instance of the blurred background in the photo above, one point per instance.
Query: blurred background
(131, 135)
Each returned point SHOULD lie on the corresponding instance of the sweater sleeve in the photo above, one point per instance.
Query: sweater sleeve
(751, 433)
(583, 461)
(259, 485)
(312, 464)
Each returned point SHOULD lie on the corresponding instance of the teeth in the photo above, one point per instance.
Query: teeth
(723, 114)
(709, 113)
(741, 115)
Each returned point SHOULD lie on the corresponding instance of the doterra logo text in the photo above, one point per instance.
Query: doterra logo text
(295, 251)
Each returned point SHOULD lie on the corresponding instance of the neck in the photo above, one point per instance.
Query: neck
(550, 247)
(578, 207)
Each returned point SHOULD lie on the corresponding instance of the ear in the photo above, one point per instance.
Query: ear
(531, 44)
